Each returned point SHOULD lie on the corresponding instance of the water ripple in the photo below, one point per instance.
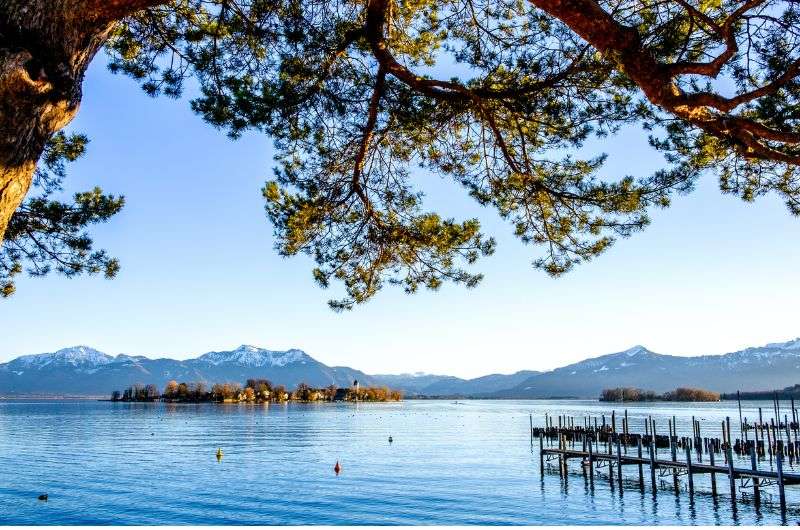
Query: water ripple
(140, 464)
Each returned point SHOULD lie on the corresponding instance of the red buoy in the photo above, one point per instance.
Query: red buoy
(337, 467)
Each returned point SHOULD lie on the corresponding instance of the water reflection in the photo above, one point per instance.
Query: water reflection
(448, 464)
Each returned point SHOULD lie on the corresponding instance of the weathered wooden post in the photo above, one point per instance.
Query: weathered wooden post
(788, 435)
(547, 427)
(531, 418)
(769, 445)
(781, 492)
(754, 467)
(541, 453)
(730, 434)
(724, 441)
(619, 466)
(731, 477)
(741, 424)
(639, 453)
(673, 453)
(689, 471)
(653, 466)
(591, 464)
(560, 458)
(583, 460)
(627, 430)
(713, 474)
(699, 443)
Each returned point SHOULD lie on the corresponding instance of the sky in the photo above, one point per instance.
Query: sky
(199, 273)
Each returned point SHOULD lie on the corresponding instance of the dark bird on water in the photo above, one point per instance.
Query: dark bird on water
(337, 467)
(43, 497)
(390, 439)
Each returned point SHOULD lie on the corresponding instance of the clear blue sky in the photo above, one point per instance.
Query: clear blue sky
(710, 275)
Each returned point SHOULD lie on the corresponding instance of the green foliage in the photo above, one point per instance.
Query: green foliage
(46, 234)
(342, 88)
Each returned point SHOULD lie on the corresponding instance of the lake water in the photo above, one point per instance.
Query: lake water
(466, 463)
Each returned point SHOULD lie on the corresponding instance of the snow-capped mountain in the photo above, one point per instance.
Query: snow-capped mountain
(252, 356)
(775, 365)
(78, 356)
(85, 371)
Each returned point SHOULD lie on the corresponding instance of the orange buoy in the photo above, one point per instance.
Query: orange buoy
(337, 467)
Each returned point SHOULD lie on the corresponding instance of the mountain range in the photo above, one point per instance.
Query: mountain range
(82, 370)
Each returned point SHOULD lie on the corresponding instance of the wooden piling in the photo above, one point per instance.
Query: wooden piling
(626, 426)
(769, 445)
(639, 454)
(731, 477)
(754, 467)
(619, 466)
(673, 454)
(699, 444)
(741, 424)
(728, 426)
(689, 471)
(781, 492)
(713, 474)
(653, 466)
(541, 453)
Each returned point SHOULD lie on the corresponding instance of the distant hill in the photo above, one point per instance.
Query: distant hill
(412, 383)
(453, 386)
(771, 366)
(790, 392)
(83, 370)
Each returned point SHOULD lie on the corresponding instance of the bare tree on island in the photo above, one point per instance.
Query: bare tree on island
(340, 87)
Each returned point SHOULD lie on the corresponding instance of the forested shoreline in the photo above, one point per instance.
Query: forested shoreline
(253, 391)
(637, 394)
(790, 392)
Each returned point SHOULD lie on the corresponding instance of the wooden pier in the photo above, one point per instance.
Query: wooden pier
(604, 450)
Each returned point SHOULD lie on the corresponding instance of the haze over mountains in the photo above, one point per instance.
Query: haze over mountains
(83, 370)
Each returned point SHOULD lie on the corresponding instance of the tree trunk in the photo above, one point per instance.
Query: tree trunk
(45, 48)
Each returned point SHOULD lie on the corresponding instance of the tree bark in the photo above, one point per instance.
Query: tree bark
(45, 48)
(657, 80)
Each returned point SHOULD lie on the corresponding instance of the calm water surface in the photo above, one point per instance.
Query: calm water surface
(465, 463)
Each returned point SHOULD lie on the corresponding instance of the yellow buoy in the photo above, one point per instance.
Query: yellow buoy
(219, 453)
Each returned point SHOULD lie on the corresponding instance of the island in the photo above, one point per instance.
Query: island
(679, 394)
(254, 391)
